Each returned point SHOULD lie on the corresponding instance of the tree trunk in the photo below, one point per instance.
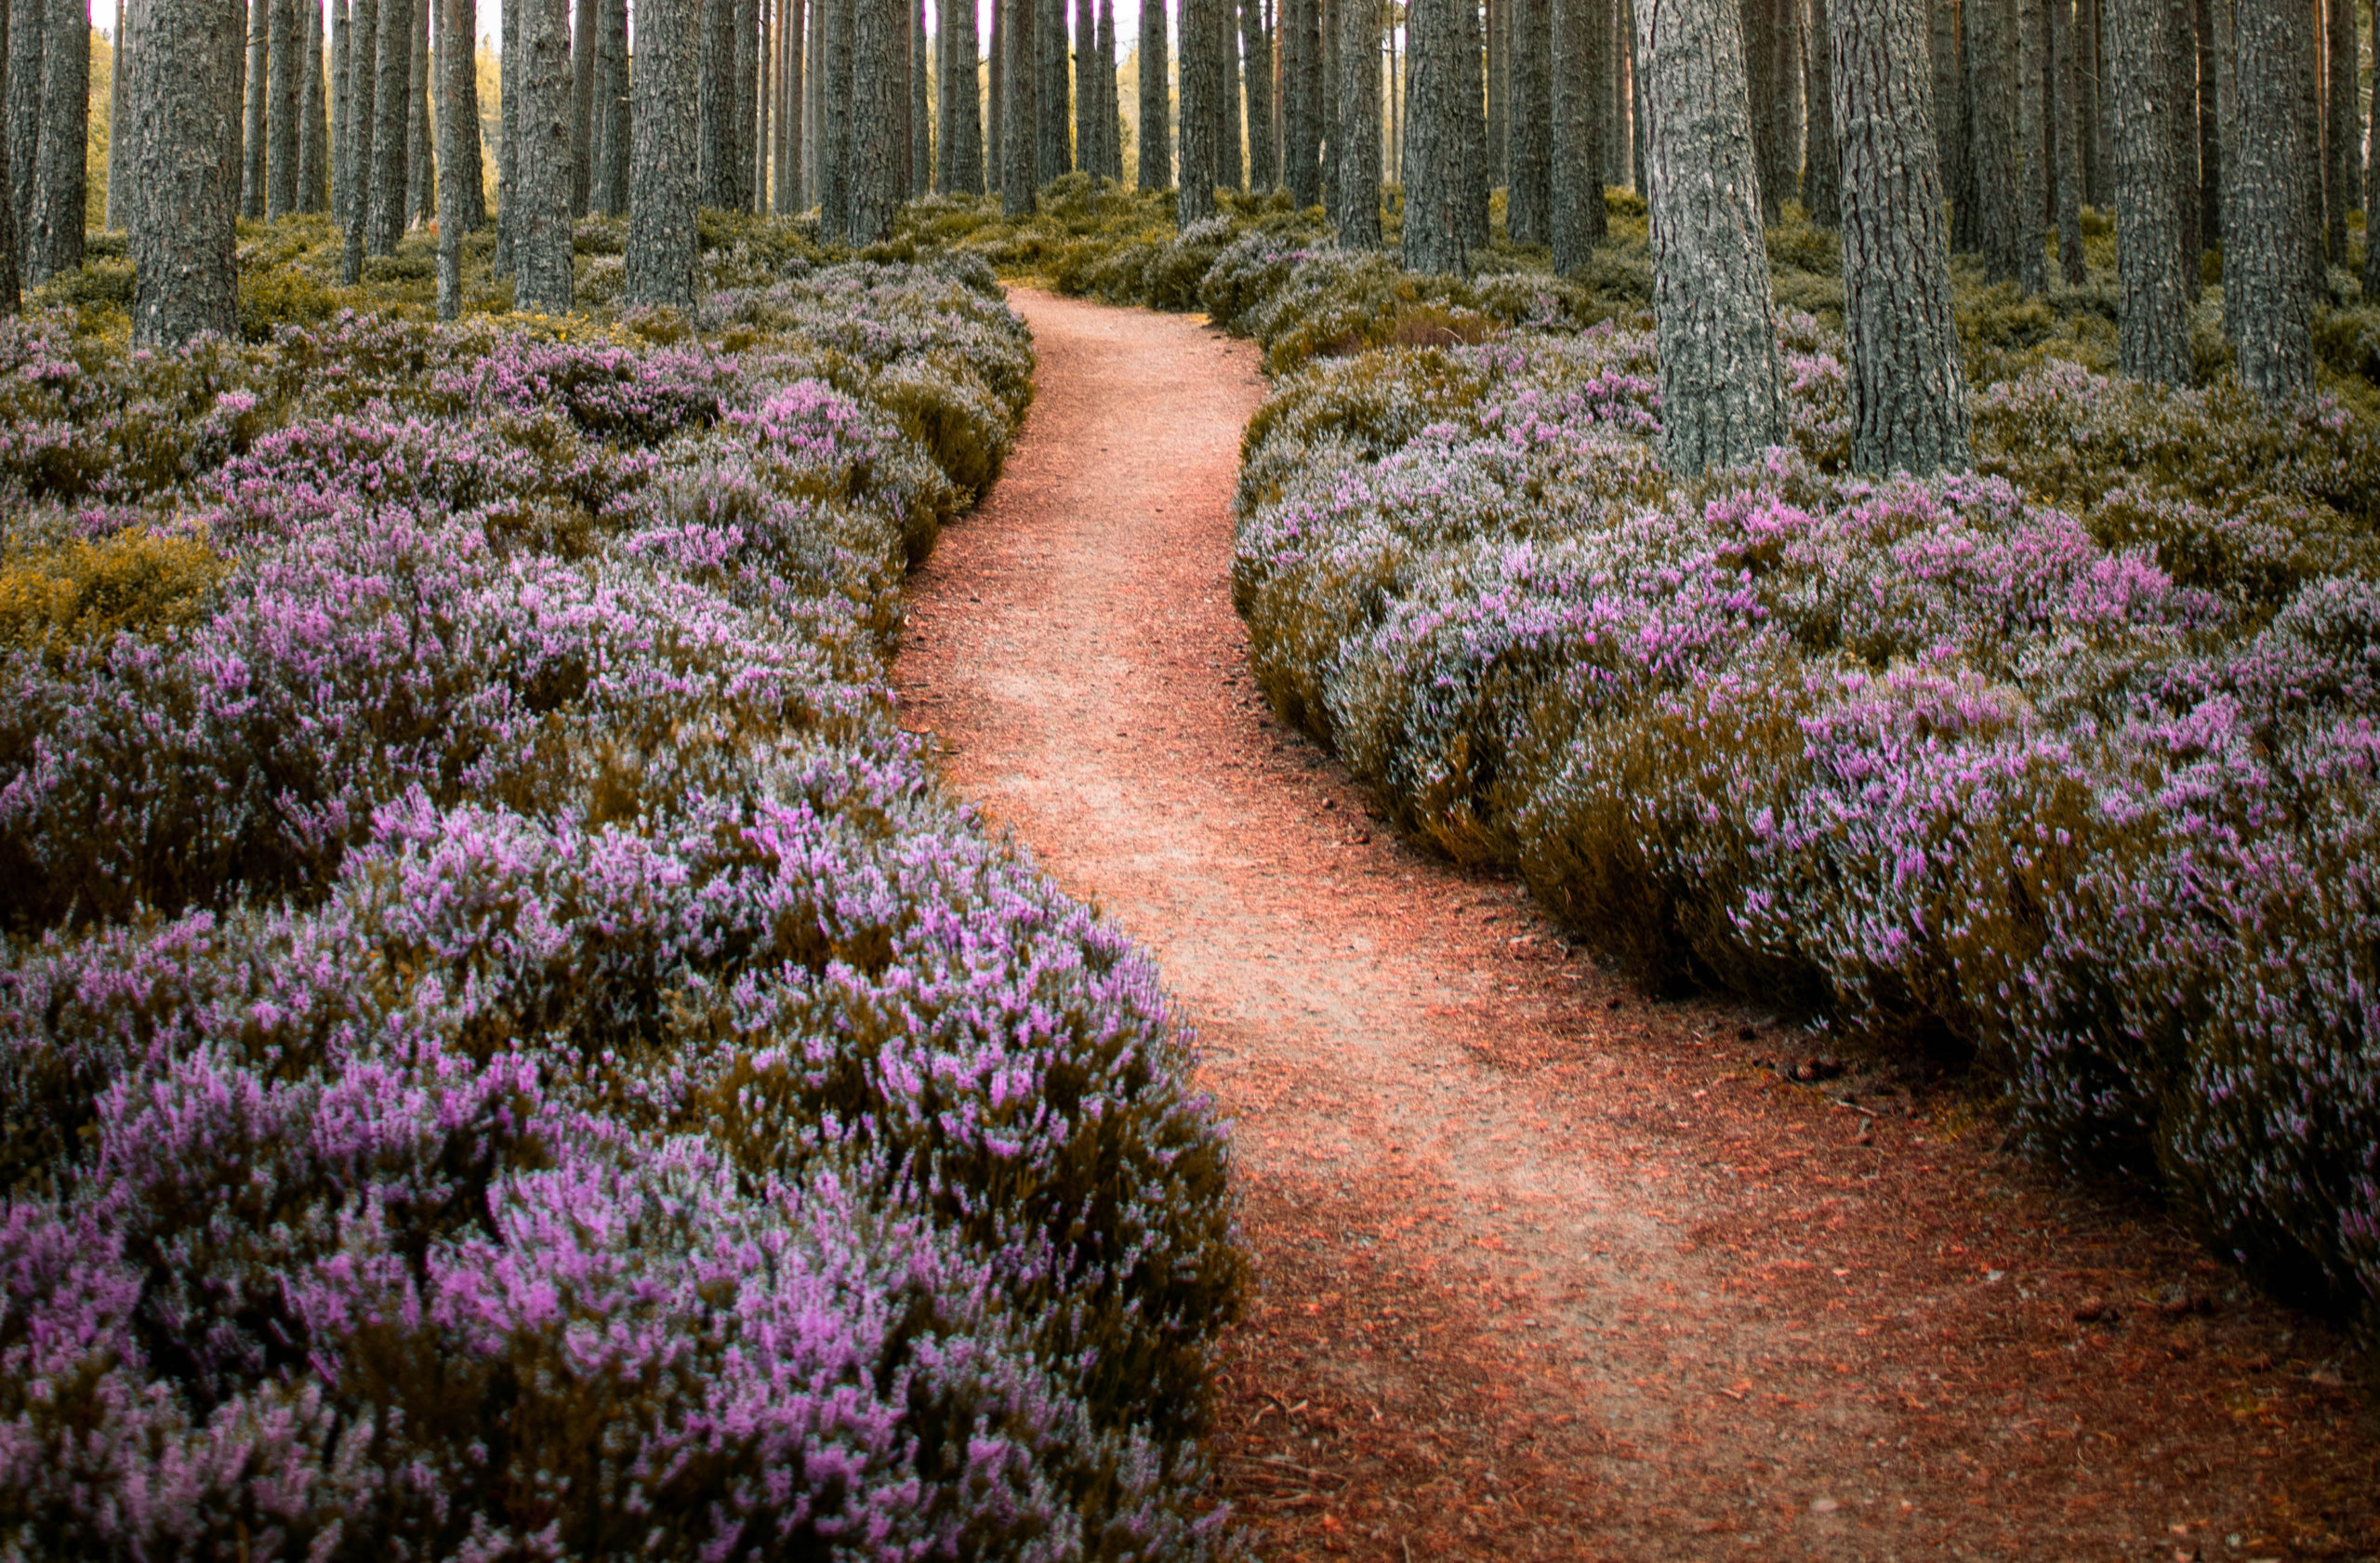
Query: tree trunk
(1201, 151)
(2066, 178)
(1227, 113)
(2153, 325)
(1155, 151)
(2210, 132)
(814, 121)
(507, 136)
(880, 85)
(119, 83)
(743, 117)
(541, 244)
(1019, 108)
(1110, 125)
(1359, 114)
(185, 172)
(964, 121)
(1581, 92)
(54, 244)
(454, 66)
(1822, 181)
(1328, 115)
(1764, 88)
(392, 67)
(995, 98)
(468, 170)
(2032, 151)
(1473, 167)
(257, 87)
(1951, 127)
(1444, 79)
(313, 170)
(835, 105)
(2372, 180)
(2344, 182)
(421, 175)
(663, 247)
(1302, 99)
(920, 117)
(2265, 273)
(1499, 14)
(1529, 135)
(284, 69)
(1996, 149)
(1909, 394)
(11, 292)
(1086, 101)
(1256, 79)
(583, 27)
(1051, 156)
(791, 192)
(355, 149)
(1723, 400)
(715, 160)
(2181, 65)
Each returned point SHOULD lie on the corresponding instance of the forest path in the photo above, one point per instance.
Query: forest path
(1541, 1269)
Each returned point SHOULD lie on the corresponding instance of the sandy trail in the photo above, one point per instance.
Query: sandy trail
(1543, 1269)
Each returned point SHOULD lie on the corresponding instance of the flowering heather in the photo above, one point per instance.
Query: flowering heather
(506, 1050)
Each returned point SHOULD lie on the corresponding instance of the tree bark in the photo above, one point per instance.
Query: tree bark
(185, 171)
(119, 79)
(1500, 93)
(1256, 79)
(1909, 393)
(1581, 39)
(1950, 126)
(1227, 112)
(467, 167)
(355, 151)
(421, 175)
(715, 164)
(1723, 400)
(313, 172)
(1111, 122)
(282, 71)
(814, 133)
(1996, 151)
(2068, 143)
(11, 291)
(392, 69)
(541, 244)
(2267, 292)
(963, 118)
(791, 194)
(1528, 135)
(920, 117)
(880, 85)
(1822, 179)
(583, 27)
(2032, 151)
(834, 106)
(1764, 88)
(507, 136)
(1359, 114)
(1301, 101)
(663, 247)
(744, 116)
(255, 119)
(1474, 168)
(1020, 107)
(2345, 181)
(54, 242)
(607, 179)
(454, 65)
(2210, 130)
(2372, 180)
(1154, 152)
(995, 98)
(2153, 325)
(1201, 149)
(1051, 156)
(342, 109)
(1442, 75)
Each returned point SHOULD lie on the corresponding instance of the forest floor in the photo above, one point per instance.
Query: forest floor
(1542, 1270)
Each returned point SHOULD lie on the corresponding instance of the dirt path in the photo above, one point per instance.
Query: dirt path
(1542, 1270)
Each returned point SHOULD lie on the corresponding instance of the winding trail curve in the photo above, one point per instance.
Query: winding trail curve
(1543, 1269)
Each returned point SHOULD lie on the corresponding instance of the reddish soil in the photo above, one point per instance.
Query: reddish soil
(1543, 1269)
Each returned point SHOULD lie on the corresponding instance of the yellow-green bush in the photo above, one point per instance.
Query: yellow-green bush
(140, 581)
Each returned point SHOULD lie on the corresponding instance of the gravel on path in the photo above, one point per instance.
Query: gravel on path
(1543, 1269)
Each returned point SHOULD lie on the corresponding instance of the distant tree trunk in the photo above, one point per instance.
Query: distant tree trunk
(2070, 139)
(1302, 99)
(507, 136)
(1581, 39)
(1021, 109)
(2099, 173)
(2153, 326)
(791, 195)
(313, 167)
(964, 121)
(1951, 127)
(1155, 148)
(1822, 181)
(2372, 182)
(1112, 126)
(11, 291)
(2032, 150)
(2210, 129)
(1359, 114)
(421, 188)
(743, 102)
(342, 110)
(2267, 291)
(454, 65)
(583, 27)
(835, 105)
(258, 89)
(1909, 394)
(1328, 115)
(1085, 99)
(54, 244)
(996, 101)
(1444, 77)
(355, 151)
(1224, 14)
(541, 246)
(1051, 155)
(663, 247)
(1997, 151)
(1764, 86)
(1256, 79)
(880, 85)
(1201, 154)
(283, 71)
(392, 68)
(2344, 134)
(920, 117)
(467, 167)
(1528, 137)
(2181, 64)
(186, 190)
(717, 108)
(814, 119)
(1474, 168)
(1723, 400)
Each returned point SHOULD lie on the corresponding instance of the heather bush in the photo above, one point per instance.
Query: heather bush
(505, 1048)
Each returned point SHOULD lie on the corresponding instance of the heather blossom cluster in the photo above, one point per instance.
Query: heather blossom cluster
(2066, 762)
(505, 1050)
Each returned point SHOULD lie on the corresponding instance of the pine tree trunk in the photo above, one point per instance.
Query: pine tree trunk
(2210, 131)
(1500, 93)
(256, 88)
(966, 120)
(813, 121)
(280, 108)
(920, 116)
(2266, 290)
(2099, 173)
(1444, 76)
(582, 107)
(455, 64)
(2371, 179)
(541, 244)
(1302, 99)
(1110, 125)
(1529, 139)
(355, 154)
(1227, 127)
(1086, 98)
(469, 169)
(185, 189)
(791, 194)
(2066, 178)
(342, 109)
(1581, 104)
(392, 67)
(1471, 103)
(1019, 108)
(1950, 126)
(1326, 116)
(1822, 181)
(53, 246)
(1997, 148)
(507, 136)
(1154, 152)
(420, 175)
(2344, 184)
(2153, 325)
(880, 85)
(1052, 157)
(1201, 157)
(713, 162)
(119, 158)
(314, 178)
(1256, 82)
(1723, 400)
(744, 116)
(2181, 64)
(1909, 394)
(1764, 86)
(834, 106)
(1359, 114)
(119, 80)
(663, 246)
(2032, 151)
